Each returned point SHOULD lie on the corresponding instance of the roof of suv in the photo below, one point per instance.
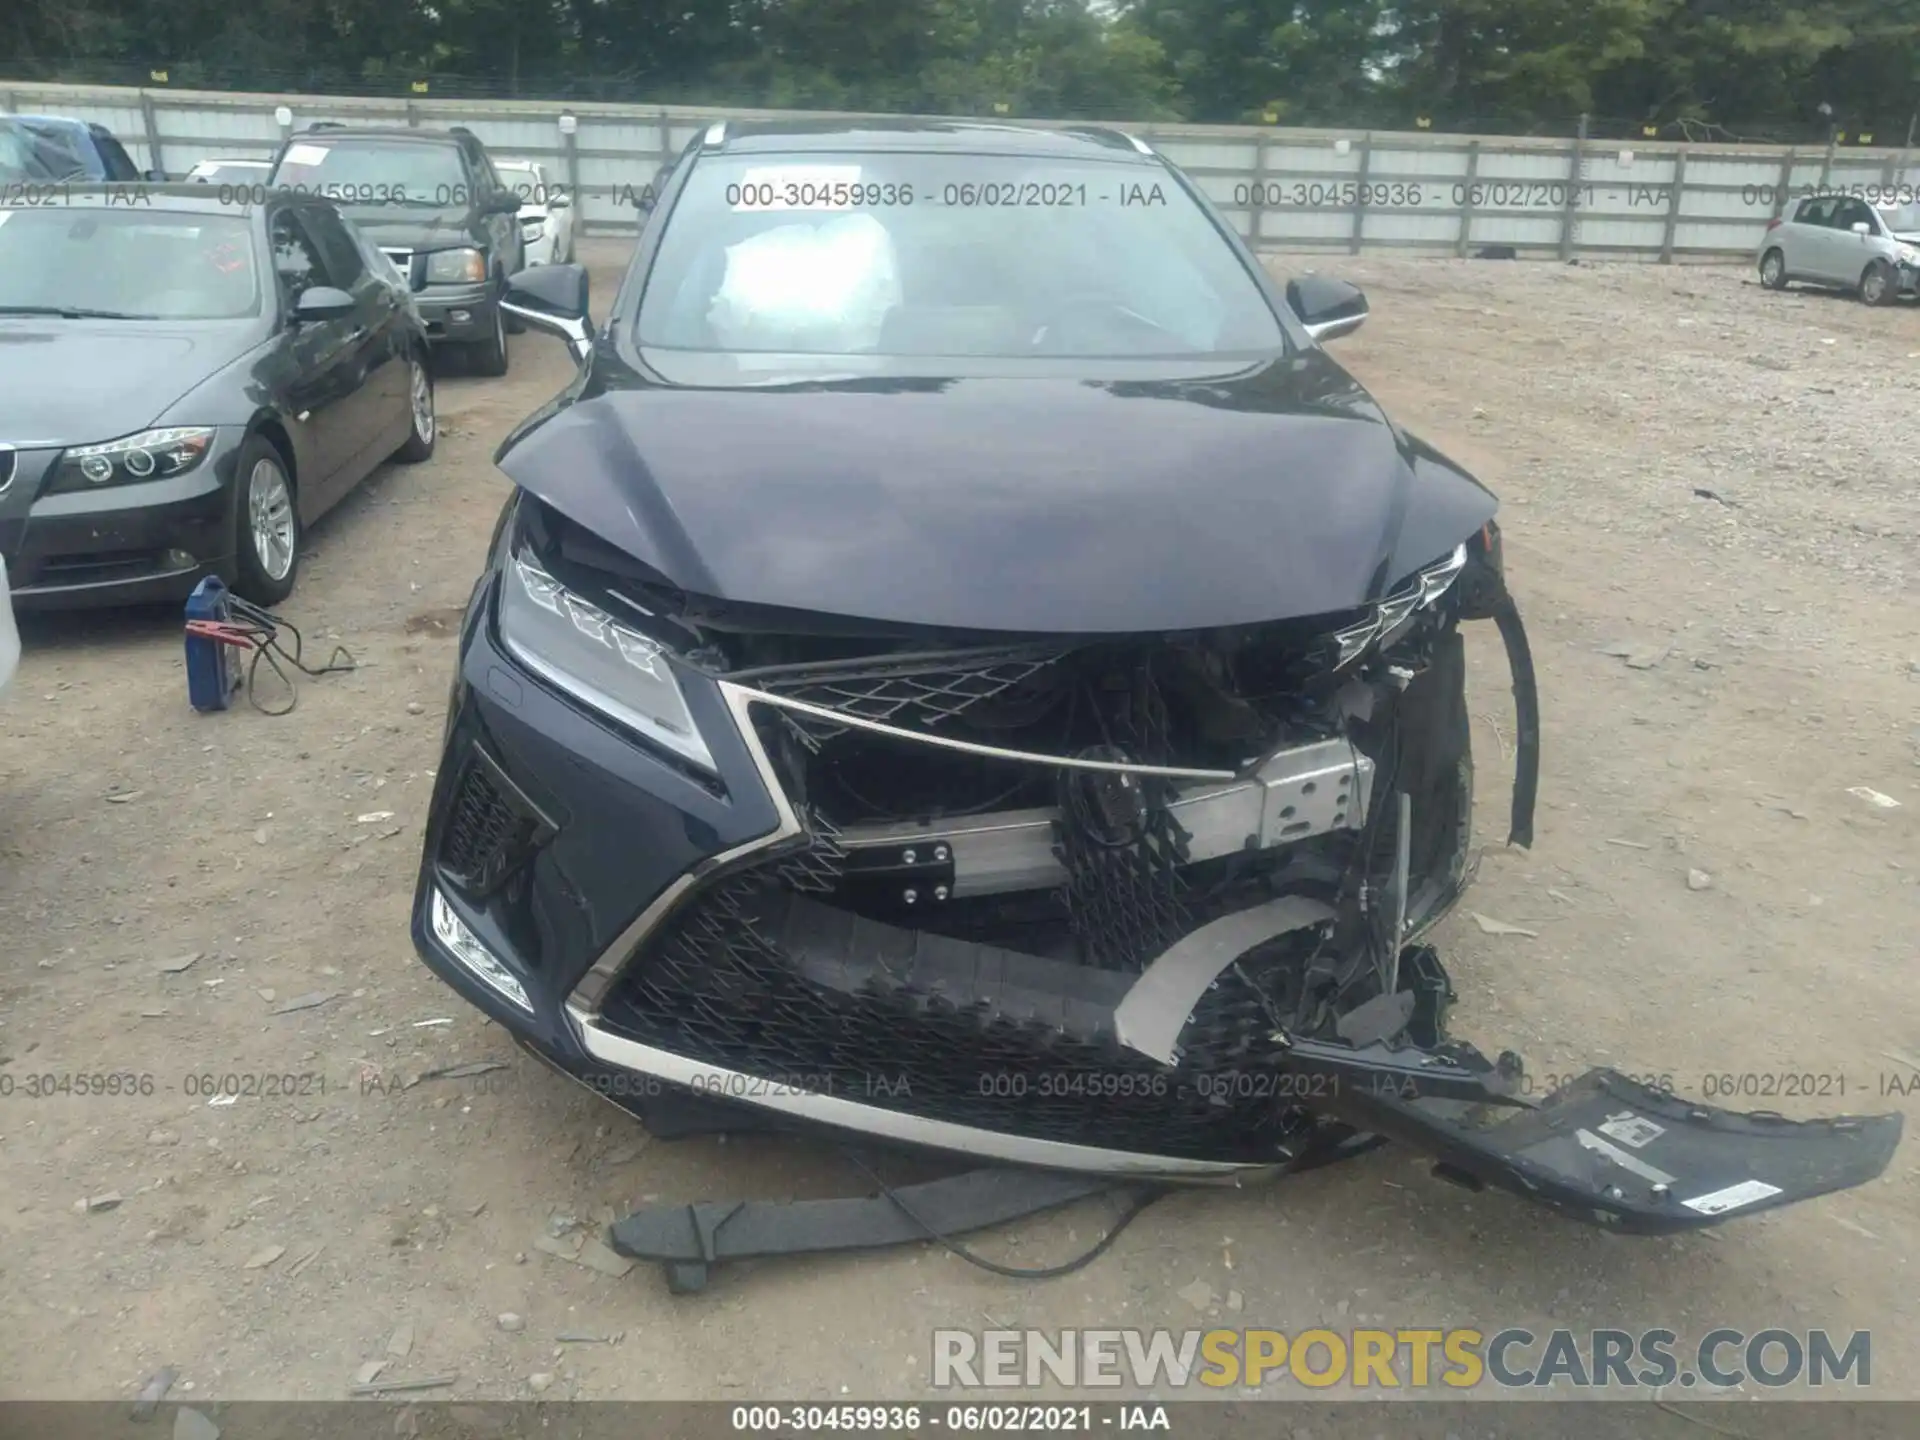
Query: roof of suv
(757, 137)
(379, 132)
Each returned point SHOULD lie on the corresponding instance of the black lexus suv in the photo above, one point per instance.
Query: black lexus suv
(964, 667)
(432, 201)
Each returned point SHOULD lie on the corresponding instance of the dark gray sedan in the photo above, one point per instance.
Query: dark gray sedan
(187, 379)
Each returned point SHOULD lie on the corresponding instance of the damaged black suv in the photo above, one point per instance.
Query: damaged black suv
(964, 667)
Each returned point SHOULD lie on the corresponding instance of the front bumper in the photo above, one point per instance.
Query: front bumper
(456, 314)
(122, 544)
(692, 961)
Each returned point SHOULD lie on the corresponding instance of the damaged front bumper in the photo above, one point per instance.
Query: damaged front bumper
(1135, 967)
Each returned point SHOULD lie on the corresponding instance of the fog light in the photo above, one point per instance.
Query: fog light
(466, 947)
(461, 317)
(178, 560)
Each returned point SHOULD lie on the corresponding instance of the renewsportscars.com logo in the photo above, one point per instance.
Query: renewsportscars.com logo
(1457, 1359)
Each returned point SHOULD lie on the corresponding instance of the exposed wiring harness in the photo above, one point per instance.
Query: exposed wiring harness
(1142, 1198)
(252, 628)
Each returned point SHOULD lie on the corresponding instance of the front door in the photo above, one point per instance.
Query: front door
(324, 374)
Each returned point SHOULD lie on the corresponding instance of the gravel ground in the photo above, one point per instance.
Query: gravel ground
(272, 1247)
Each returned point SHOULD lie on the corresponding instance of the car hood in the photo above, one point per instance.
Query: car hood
(70, 382)
(1038, 505)
(404, 229)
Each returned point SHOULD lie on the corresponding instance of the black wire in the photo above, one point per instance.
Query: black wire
(1142, 1198)
(266, 646)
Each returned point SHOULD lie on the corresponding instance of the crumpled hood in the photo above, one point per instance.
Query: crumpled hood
(399, 228)
(72, 382)
(1011, 505)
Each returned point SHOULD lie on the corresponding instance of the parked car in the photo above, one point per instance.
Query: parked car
(186, 384)
(432, 200)
(55, 148)
(228, 171)
(1839, 241)
(9, 636)
(546, 211)
(963, 667)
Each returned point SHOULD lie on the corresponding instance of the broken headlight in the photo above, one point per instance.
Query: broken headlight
(584, 651)
(1389, 619)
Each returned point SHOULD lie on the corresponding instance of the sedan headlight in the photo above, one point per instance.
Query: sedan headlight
(533, 229)
(150, 455)
(1909, 254)
(1392, 615)
(586, 652)
(465, 266)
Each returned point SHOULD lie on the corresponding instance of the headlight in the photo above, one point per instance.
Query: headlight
(150, 455)
(533, 229)
(1392, 615)
(593, 657)
(456, 267)
(1909, 255)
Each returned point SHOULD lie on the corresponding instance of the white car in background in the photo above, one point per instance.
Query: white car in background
(234, 171)
(9, 637)
(546, 211)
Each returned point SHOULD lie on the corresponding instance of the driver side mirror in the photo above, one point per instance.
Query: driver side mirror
(1328, 308)
(504, 202)
(1861, 227)
(553, 298)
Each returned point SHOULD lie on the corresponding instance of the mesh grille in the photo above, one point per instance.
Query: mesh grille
(907, 692)
(487, 832)
(717, 985)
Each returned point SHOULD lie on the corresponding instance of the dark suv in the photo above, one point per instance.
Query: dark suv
(433, 202)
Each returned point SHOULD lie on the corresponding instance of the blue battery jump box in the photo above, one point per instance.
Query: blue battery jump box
(211, 674)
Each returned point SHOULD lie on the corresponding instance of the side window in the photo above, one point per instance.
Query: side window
(488, 177)
(345, 263)
(1856, 212)
(119, 164)
(296, 261)
(1812, 212)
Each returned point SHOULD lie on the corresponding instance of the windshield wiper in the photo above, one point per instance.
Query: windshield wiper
(72, 312)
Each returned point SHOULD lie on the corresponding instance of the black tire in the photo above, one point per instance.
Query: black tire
(1879, 285)
(489, 356)
(419, 447)
(1773, 269)
(253, 571)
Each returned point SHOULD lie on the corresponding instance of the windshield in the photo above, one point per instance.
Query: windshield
(35, 150)
(894, 255)
(229, 172)
(1901, 219)
(366, 171)
(526, 181)
(138, 265)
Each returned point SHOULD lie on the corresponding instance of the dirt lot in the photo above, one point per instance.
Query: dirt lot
(1775, 662)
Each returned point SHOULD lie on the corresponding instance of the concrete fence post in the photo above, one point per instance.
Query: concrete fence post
(155, 159)
(1257, 207)
(1360, 194)
(1466, 199)
(1674, 196)
(1576, 167)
